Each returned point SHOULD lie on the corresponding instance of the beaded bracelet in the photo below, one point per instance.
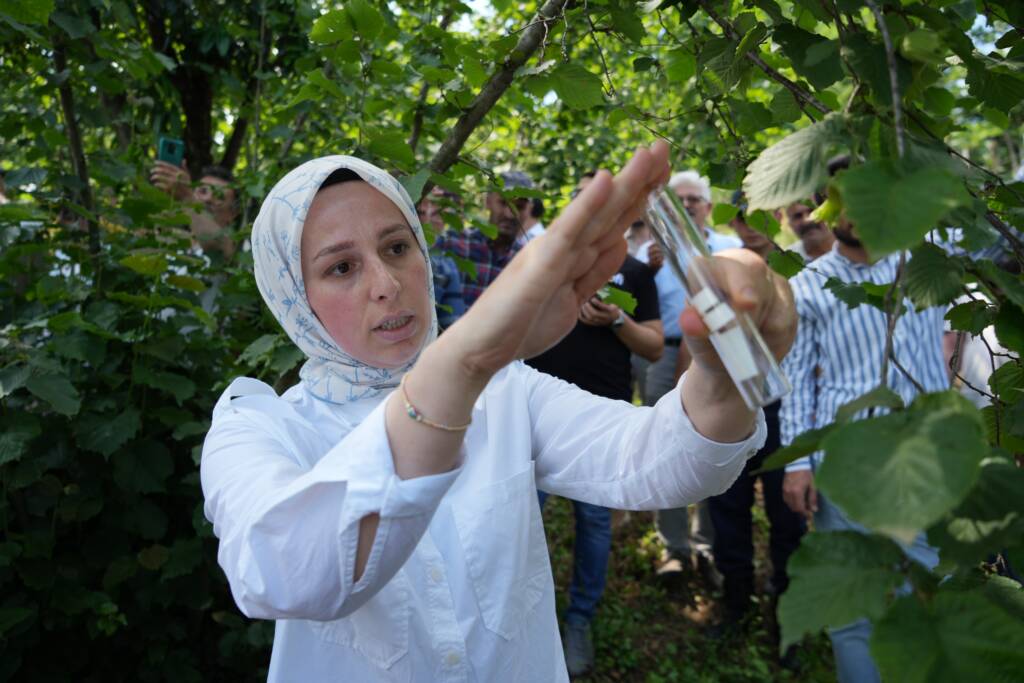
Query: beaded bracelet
(411, 411)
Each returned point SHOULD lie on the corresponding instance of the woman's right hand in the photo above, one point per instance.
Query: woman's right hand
(535, 301)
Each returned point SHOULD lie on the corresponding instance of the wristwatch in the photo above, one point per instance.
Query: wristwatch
(618, 322)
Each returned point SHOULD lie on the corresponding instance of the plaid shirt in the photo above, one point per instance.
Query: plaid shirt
(473, 246)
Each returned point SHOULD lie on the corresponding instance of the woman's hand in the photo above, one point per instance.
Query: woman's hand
(537, 298)
(172, 179)
(709, 396)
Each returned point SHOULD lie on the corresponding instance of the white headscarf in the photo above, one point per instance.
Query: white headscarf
(329, 373)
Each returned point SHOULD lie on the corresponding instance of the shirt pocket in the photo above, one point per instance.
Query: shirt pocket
(379, 630)
(503, 541)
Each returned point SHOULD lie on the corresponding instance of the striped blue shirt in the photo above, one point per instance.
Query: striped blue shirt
(837, 354)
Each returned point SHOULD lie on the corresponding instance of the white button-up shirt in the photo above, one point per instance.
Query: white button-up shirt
(458, 585)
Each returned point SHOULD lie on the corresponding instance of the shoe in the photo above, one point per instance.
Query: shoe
(579, 649)
(708, 573)
(674, 572)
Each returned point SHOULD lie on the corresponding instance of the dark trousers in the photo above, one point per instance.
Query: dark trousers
(733, 522)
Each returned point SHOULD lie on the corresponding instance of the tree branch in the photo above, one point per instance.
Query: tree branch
(78, 160)
(235, 142)
(798, 92)
(421, 101)
(891, 318)
(894, 77)
(495, 87)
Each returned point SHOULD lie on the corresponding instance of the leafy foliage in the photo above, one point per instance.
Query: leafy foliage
(117, 337)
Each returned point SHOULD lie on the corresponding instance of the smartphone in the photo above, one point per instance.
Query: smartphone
(171, 150)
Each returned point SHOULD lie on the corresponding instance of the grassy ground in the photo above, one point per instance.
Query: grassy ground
(643, 634)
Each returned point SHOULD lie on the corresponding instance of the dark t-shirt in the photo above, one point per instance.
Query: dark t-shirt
(593, 358)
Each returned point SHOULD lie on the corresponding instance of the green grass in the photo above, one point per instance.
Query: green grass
(643, 634)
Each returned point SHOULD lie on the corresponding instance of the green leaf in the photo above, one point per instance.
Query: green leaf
(146, 263)
(186, 555)
(803, 444)
(939, 101)
(853, 294)
(879, 397)
(764, 222)
(722, 213)
(256, 352)
(793, 168)
(577, 87)
(958, 636)
(610, 294)
(869, 62)
(332, 27)
(393, 147)
(103, 434)
(785, 263)
(182, 388)
(893, 211)
(932, 278)
(680, 66)
(1010, 327)
(56, 390)
(973, 316)
(12, 378)
(414, 183)
(996, 88)
(900, 473)
(1007, 382)
(15, 433)
(11, 617)
(812, 56)
(836, 578)
(148, 519)
(628, 24)
(989, 520)
(143, 469)
(75, 27)
(153, 557)
(186, 282)
(32, 12)
(785, 108)
(366, 18)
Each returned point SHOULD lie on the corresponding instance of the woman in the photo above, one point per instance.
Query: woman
(395, 533)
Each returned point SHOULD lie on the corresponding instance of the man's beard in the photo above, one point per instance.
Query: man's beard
(845, 235)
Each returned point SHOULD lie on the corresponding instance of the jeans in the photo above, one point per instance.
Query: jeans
(590, 559)
(731, 516)
(681, 535)
(850, 643)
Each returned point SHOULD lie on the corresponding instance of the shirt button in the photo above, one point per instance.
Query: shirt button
(452, 659)
(436, 575)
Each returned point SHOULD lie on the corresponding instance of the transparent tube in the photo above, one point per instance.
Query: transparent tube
(744, 354)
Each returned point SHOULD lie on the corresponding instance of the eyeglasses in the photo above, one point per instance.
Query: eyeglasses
(691, 198)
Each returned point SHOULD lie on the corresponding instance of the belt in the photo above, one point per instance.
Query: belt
(673, 341)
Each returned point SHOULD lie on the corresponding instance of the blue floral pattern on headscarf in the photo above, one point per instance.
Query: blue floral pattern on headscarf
(329, 373)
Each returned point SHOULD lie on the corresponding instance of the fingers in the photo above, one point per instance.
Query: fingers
(812, 499)
(607, 264)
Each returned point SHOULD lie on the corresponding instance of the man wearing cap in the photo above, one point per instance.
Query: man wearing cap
(684, 547)
(490, 256)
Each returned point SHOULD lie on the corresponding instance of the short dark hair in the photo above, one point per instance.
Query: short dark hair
(537, 208)
(342, 175)
(838, 163)
(220, 172)
(835, 165)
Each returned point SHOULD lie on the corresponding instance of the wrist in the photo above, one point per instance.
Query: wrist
(618, 322)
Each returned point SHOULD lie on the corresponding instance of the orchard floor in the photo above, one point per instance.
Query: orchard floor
(644, 634)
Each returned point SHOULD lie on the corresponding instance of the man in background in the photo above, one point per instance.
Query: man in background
(447, 281)
(490, 256)
(815, 238)
(687, 546)
(210, 226)
(730, 511)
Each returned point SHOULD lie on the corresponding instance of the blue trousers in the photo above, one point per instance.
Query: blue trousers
(850, 643)
(590, 559)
